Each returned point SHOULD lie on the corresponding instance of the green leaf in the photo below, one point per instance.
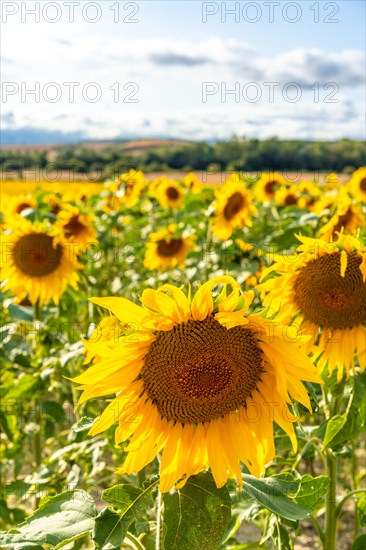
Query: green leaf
(20, 313)
(311, 490)
(85, 423)
(109, 530)
(60, 520)
(283, 538)
(132, 501)
(272, 492)
(360, 543)
(196, 516)
(334, 425)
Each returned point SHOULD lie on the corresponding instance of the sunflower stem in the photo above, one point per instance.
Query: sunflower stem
(37, 311)
(354, 486)
(331, 504)
(331, 471)
(159, 506)
(37, 442)
(133, 542)
(142, 476)
(348, 496)
(37, 437)
(318, 528)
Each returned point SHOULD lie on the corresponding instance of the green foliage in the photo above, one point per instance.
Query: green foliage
(234, 155)
(273, 493)
(57, 522)
(132, 503)
(197, 515)
(48, 457)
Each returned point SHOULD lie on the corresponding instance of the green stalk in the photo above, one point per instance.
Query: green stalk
(133, 542)
(347, 497)
(37, 311)
(354, 485)
(141, 476)
(331, 471)
(318, 528)
(37, 437)
(331, 504)
(159, 506)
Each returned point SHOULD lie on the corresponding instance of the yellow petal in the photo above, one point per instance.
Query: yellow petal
(125, 311)
(343, 262)
(202, 303)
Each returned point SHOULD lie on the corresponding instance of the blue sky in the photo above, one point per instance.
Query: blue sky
(179, 69)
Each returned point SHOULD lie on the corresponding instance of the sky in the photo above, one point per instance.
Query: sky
(186, 69)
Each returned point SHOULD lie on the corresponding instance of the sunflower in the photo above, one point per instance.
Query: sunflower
(169, 193)
(131, 185)
(233, 208)
(323, 289)
(35, 262)
(287, 196)
(310, 196)
(77, 227)
(266, 186)
(357, 184)
(166, 249)
(77, 193)
(17, 205)
(192, 183)
(347, 216)
(54, 202)
(193, 381)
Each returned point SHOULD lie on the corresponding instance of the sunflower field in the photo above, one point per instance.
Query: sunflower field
(183, 364)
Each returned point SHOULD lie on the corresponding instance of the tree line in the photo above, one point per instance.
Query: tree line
(234, 155)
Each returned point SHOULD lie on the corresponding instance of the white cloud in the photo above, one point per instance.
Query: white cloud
(169, 75)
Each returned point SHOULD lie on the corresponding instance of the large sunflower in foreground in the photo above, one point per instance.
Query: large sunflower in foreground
(197, 380)
(167, 249)
(35, 263)
(323, 290)
(233, 208)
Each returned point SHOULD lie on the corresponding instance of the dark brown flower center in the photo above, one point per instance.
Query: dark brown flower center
(22, 206)
(56, 208)
(74, 227)
(328, 299)
(169, 248)
(363, 184)
(290, 200)
(310, 201)
(270, 187)
(199, 370)
(234, 205)
(343, 221)
(172, 193)
(36, 256)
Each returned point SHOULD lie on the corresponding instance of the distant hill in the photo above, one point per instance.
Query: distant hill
(135, 146)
